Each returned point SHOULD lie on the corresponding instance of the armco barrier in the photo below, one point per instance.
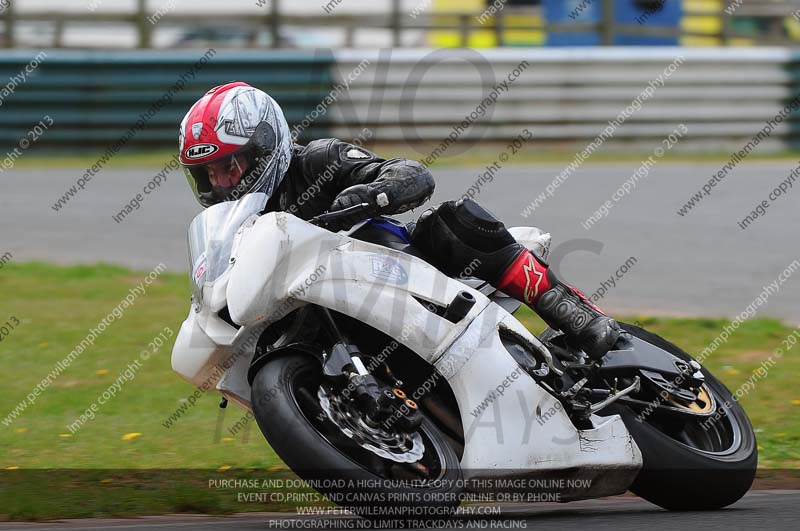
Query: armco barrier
(95, 97)
(564, 96)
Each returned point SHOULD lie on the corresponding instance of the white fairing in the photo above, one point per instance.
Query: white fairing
(279, 263)
(306, 264)
(511, 423)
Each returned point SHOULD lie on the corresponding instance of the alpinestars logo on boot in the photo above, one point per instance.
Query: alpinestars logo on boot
(531, 294)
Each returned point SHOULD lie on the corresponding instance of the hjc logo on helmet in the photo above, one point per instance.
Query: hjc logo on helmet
(200, 150)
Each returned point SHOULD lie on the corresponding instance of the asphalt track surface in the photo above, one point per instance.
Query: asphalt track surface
(698, 264)
(758, 510)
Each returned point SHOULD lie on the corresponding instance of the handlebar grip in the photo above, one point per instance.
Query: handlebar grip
(327, 217)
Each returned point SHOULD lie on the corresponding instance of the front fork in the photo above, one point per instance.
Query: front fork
(344, 369)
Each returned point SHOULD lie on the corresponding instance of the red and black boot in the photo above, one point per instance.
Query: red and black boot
(530, 280)
(456, 235)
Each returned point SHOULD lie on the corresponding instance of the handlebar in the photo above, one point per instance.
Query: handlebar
(324, 219)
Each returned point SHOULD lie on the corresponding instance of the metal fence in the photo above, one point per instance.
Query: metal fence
(715, 21)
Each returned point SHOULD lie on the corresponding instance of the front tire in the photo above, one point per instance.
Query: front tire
(285, 405)
(692, 469)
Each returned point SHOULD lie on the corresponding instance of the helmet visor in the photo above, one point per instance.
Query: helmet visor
(216, 181)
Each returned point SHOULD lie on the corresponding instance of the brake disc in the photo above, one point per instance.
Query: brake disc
(398, 447)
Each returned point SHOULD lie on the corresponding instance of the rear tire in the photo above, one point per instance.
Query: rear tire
(277, 396)
(675, 475)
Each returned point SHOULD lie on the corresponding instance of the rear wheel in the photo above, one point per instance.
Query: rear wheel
(692, 462)
(374, 472)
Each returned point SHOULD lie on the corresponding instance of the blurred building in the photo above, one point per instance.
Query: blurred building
(241, 24)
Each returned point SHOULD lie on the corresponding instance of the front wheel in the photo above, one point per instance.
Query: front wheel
(374, 472)
(691, 462)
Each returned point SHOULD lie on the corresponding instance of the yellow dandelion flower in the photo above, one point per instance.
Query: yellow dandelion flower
(223, 468)
(796, 402)
(106, 480)
(131, 436)
(65, 435)
(12, 468)
(44, 344)
(228, 439)
(101, 372)
(21, 430)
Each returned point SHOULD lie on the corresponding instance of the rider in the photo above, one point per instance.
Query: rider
(235, 140)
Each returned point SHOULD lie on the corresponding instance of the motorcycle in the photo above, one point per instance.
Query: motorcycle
(365, 366)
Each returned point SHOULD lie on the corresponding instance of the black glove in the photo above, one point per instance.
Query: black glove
(355, 195)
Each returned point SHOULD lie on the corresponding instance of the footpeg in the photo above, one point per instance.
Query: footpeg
(635, 386)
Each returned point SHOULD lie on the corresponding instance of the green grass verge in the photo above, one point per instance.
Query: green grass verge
(474, 156)
(56, 307)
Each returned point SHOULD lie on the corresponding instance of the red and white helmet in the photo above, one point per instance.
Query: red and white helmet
(234, 141)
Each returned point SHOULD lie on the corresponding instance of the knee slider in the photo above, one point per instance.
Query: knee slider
(476, 226)
(456, 233)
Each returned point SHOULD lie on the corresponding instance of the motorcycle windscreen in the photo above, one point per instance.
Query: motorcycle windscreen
(211, 237)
